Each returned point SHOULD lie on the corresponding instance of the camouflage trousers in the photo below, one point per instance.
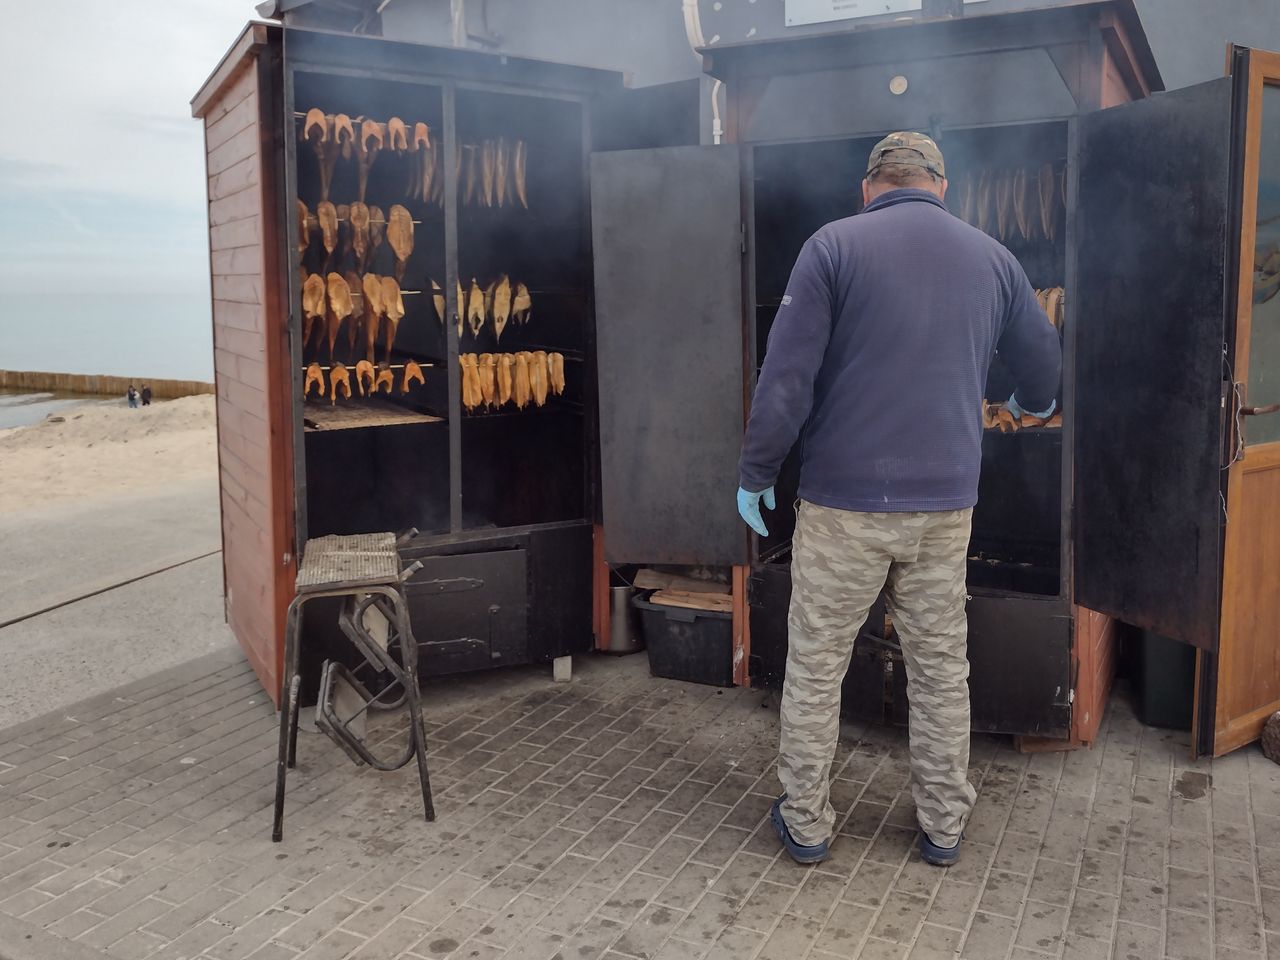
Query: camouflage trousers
(840, 561)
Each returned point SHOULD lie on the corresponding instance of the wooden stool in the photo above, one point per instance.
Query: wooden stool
(364, 570)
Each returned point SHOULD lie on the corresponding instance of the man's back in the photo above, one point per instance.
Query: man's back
(882, 348)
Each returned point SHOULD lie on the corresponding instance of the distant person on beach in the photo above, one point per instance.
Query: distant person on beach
(146, 394)
(133, 396)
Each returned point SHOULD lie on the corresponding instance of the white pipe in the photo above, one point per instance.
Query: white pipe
(693, 25)
(693, 30)
(717, 129)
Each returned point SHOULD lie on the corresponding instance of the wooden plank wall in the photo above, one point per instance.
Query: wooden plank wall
(1095, 651)
(240, 234)
(1114, 89)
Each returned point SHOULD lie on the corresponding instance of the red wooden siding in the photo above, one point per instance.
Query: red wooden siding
(251, 369)
(1095, 654)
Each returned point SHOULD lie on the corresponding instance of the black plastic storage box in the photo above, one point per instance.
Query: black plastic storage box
(685, 644)
(1164, 679)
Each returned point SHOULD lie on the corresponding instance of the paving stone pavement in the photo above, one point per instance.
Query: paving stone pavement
(617, 817)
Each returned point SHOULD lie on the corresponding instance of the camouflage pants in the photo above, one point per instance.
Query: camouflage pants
(840, 561)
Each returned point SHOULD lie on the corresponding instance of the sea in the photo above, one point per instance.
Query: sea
(18, 409)
(142, 337)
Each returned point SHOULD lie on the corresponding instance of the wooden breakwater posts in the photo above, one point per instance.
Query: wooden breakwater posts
(99, 385)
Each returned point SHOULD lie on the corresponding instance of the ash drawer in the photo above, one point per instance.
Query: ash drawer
(470, 612)
(1020, 664)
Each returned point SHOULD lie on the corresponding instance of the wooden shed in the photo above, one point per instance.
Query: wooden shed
(240, 105)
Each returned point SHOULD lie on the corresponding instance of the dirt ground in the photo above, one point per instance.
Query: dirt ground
(107, 449)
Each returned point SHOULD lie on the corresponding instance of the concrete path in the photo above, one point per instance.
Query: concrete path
(64, 550)
(618, 817)
(55, 555)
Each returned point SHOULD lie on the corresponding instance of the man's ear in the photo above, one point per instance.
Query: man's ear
(866, 193)
(942, 192)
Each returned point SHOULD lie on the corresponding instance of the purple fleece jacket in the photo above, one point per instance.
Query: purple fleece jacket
(878, 359)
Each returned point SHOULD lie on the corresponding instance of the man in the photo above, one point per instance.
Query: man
(132, 396)
(878, 361)
(146, 394)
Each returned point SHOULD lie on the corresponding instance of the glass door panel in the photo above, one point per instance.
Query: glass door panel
(1264, 326)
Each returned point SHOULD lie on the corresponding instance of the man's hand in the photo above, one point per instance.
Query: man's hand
(749, 508)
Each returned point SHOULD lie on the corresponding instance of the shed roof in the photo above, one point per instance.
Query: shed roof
(252, 38)
(975, 32)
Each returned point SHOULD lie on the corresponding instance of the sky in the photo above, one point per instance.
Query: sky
(103, 238)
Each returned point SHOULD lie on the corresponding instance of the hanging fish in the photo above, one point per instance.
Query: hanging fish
(365, 377)
(1048, 191)
(501, 305)
(518, 168)
(522, 305)
(475, 308)
(488, 165)
(469, 191)
(412, 373)
(506, 378)
(462, 308)
(500, 172)
(438, 301)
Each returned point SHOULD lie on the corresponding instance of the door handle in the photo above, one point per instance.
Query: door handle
(1260, 411)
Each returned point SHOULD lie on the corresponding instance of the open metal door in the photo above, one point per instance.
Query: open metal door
(667, 227)
(1155, 207)
(1240, 685)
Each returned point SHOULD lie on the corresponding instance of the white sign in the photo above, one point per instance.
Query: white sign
(799, 12)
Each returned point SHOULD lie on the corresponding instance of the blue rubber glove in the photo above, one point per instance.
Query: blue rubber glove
(1017, 412)
(749, 508)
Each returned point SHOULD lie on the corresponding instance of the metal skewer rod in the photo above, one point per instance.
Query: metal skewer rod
(393, 366)
(347, 220)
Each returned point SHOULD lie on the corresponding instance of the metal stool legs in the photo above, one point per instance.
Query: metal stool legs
(290, 687)
(405, 673)
(409, 657)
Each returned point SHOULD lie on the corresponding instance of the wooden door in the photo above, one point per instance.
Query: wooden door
(1240, 686)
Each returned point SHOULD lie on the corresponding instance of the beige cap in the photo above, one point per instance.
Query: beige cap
(911, 149)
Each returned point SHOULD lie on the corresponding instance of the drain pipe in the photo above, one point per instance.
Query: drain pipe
(693, 30)
(717, 129)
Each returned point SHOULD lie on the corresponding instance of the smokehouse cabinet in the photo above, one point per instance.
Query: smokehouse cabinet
(1006, 97)
(409, 339)
(642, 283)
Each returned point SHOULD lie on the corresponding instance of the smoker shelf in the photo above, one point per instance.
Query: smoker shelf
(564, 406)
(355, 414)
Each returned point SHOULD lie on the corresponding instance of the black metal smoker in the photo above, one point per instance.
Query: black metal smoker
(1004, 91)
(504, 500)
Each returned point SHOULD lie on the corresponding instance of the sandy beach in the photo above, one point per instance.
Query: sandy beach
(104, 449)
(111, 569)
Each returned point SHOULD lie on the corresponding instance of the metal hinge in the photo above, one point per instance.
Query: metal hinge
(742, 236)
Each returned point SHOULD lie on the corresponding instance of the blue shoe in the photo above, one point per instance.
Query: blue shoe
(938, 856)
(799, 852)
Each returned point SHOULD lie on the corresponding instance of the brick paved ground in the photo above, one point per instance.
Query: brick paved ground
(617, 817)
